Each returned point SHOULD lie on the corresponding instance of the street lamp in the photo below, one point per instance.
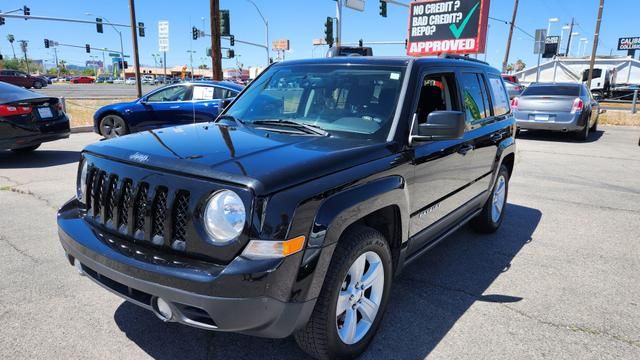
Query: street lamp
(583, 41)
(573, 34)
(566, 27)
(266, 25)
(551, 20)
(119, 34)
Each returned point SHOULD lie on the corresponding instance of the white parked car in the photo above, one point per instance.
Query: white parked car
(148, 79)
(130, 81)
(118, 81)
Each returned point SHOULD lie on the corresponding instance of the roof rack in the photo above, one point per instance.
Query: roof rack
(465, 57)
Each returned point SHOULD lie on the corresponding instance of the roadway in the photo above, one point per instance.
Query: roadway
(559, 280)
(94, 90)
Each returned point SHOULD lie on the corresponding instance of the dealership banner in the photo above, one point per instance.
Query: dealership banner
(447, 27)
(629, 43)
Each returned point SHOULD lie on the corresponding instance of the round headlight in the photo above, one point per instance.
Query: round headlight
(82, 181)
(224, 216)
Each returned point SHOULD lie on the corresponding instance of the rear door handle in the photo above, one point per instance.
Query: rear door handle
(496, 137)
(465, 149)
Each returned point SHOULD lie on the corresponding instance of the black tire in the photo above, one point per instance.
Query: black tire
(584, 133)
(37, 85)
(112, 126)
(486, 222)
(320, 338)
(594, 127)
(27, 149)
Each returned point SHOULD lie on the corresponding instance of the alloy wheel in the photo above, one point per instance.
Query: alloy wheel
(498, 198)
(112, 127)
(360, 297)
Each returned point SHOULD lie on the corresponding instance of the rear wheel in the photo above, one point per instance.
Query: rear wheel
(37, 85)
(112, 126)
(353, 297)
(584, 133)
(490, 219)
(594, 128)
(26, 149)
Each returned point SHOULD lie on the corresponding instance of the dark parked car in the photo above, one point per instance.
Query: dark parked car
(296, 209)
(566, 107)
(170, 105)
(28, 119)
(22, 79)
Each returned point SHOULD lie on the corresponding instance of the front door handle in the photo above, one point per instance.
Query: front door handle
(464, 149)
(496, 137)
(174, 107)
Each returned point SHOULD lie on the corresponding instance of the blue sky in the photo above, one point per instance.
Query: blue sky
(297, 20)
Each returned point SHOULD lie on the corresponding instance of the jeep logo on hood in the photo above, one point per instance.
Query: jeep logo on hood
(139, 157)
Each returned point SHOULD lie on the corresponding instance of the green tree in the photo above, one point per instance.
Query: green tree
(519, 65)
(89, 72)
(509, 68)
(11, 39)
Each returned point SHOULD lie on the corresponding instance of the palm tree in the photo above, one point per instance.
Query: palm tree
(11, 39)
(23, 47)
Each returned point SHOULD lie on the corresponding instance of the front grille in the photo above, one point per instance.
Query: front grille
(138, 209)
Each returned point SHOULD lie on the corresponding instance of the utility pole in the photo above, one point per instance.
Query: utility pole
(134, 37)
(513, 24)
(339, 22)
(566, 53)
(594, 50)
(216, 53)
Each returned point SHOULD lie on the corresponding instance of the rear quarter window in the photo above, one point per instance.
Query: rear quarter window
(556, 90)
(499, 94)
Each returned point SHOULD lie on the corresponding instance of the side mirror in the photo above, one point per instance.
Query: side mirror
(224, 103)
(441, 125)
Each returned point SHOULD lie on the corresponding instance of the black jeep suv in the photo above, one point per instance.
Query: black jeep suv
(292, 212)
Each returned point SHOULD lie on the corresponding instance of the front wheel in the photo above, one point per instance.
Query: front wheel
(490, 219)
(37, 85)
(112, 126)
(353, 297)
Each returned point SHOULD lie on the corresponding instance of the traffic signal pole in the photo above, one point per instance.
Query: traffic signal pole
(134, 37)
(596, 38)
(216, 53)
(338, 22)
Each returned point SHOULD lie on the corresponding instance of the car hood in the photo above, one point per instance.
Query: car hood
(264, 161)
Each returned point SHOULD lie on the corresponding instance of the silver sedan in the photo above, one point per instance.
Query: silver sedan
(566, 107)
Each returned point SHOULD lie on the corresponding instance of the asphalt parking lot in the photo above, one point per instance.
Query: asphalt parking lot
(560, 280)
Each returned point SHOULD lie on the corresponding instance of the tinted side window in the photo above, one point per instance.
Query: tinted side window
(499, 96)
(176, 93)
(472, 96)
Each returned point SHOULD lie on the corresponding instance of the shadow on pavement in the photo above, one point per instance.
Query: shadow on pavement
(37, 159)
(427, 300)
(558, 136)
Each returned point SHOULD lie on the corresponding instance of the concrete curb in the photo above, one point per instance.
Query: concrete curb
(81, 129)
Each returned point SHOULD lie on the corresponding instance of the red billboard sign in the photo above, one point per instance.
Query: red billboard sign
(447, 27)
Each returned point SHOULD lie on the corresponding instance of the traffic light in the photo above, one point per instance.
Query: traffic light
(225, 25)
(360, 43)
(231, 53)
(46, 43)
(87, 48)
(383, 8)
(126, 65)
(99, 25)
(1, 20)
(209, 52)
(141, 29)
(194, 33)
(328, 31)
(1, 57)
(26, 11)
(232, 40)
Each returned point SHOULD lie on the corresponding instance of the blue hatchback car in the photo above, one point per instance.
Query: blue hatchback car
(176, 104)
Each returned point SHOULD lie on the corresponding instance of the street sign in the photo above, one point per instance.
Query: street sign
(629, 43)
(447, 27)
(280, 45)
(318, 41)
(355, 4)
(538, 47)
(551, 44)
(163, 36)
(114, 54)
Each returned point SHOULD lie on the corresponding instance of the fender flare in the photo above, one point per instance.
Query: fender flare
(335, 215)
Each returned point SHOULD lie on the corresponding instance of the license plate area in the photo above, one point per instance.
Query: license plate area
(540, 117)
(45, 113)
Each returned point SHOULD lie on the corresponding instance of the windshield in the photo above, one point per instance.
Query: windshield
(552, 90)
(346, 101)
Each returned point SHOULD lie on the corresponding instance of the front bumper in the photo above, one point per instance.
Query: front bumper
(191, 287)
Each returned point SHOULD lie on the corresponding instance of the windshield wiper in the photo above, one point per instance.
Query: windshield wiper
(312, 129)
(229, 117)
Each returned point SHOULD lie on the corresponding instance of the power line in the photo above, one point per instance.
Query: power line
(516, 26)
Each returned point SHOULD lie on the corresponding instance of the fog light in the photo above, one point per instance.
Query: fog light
(164, 309)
